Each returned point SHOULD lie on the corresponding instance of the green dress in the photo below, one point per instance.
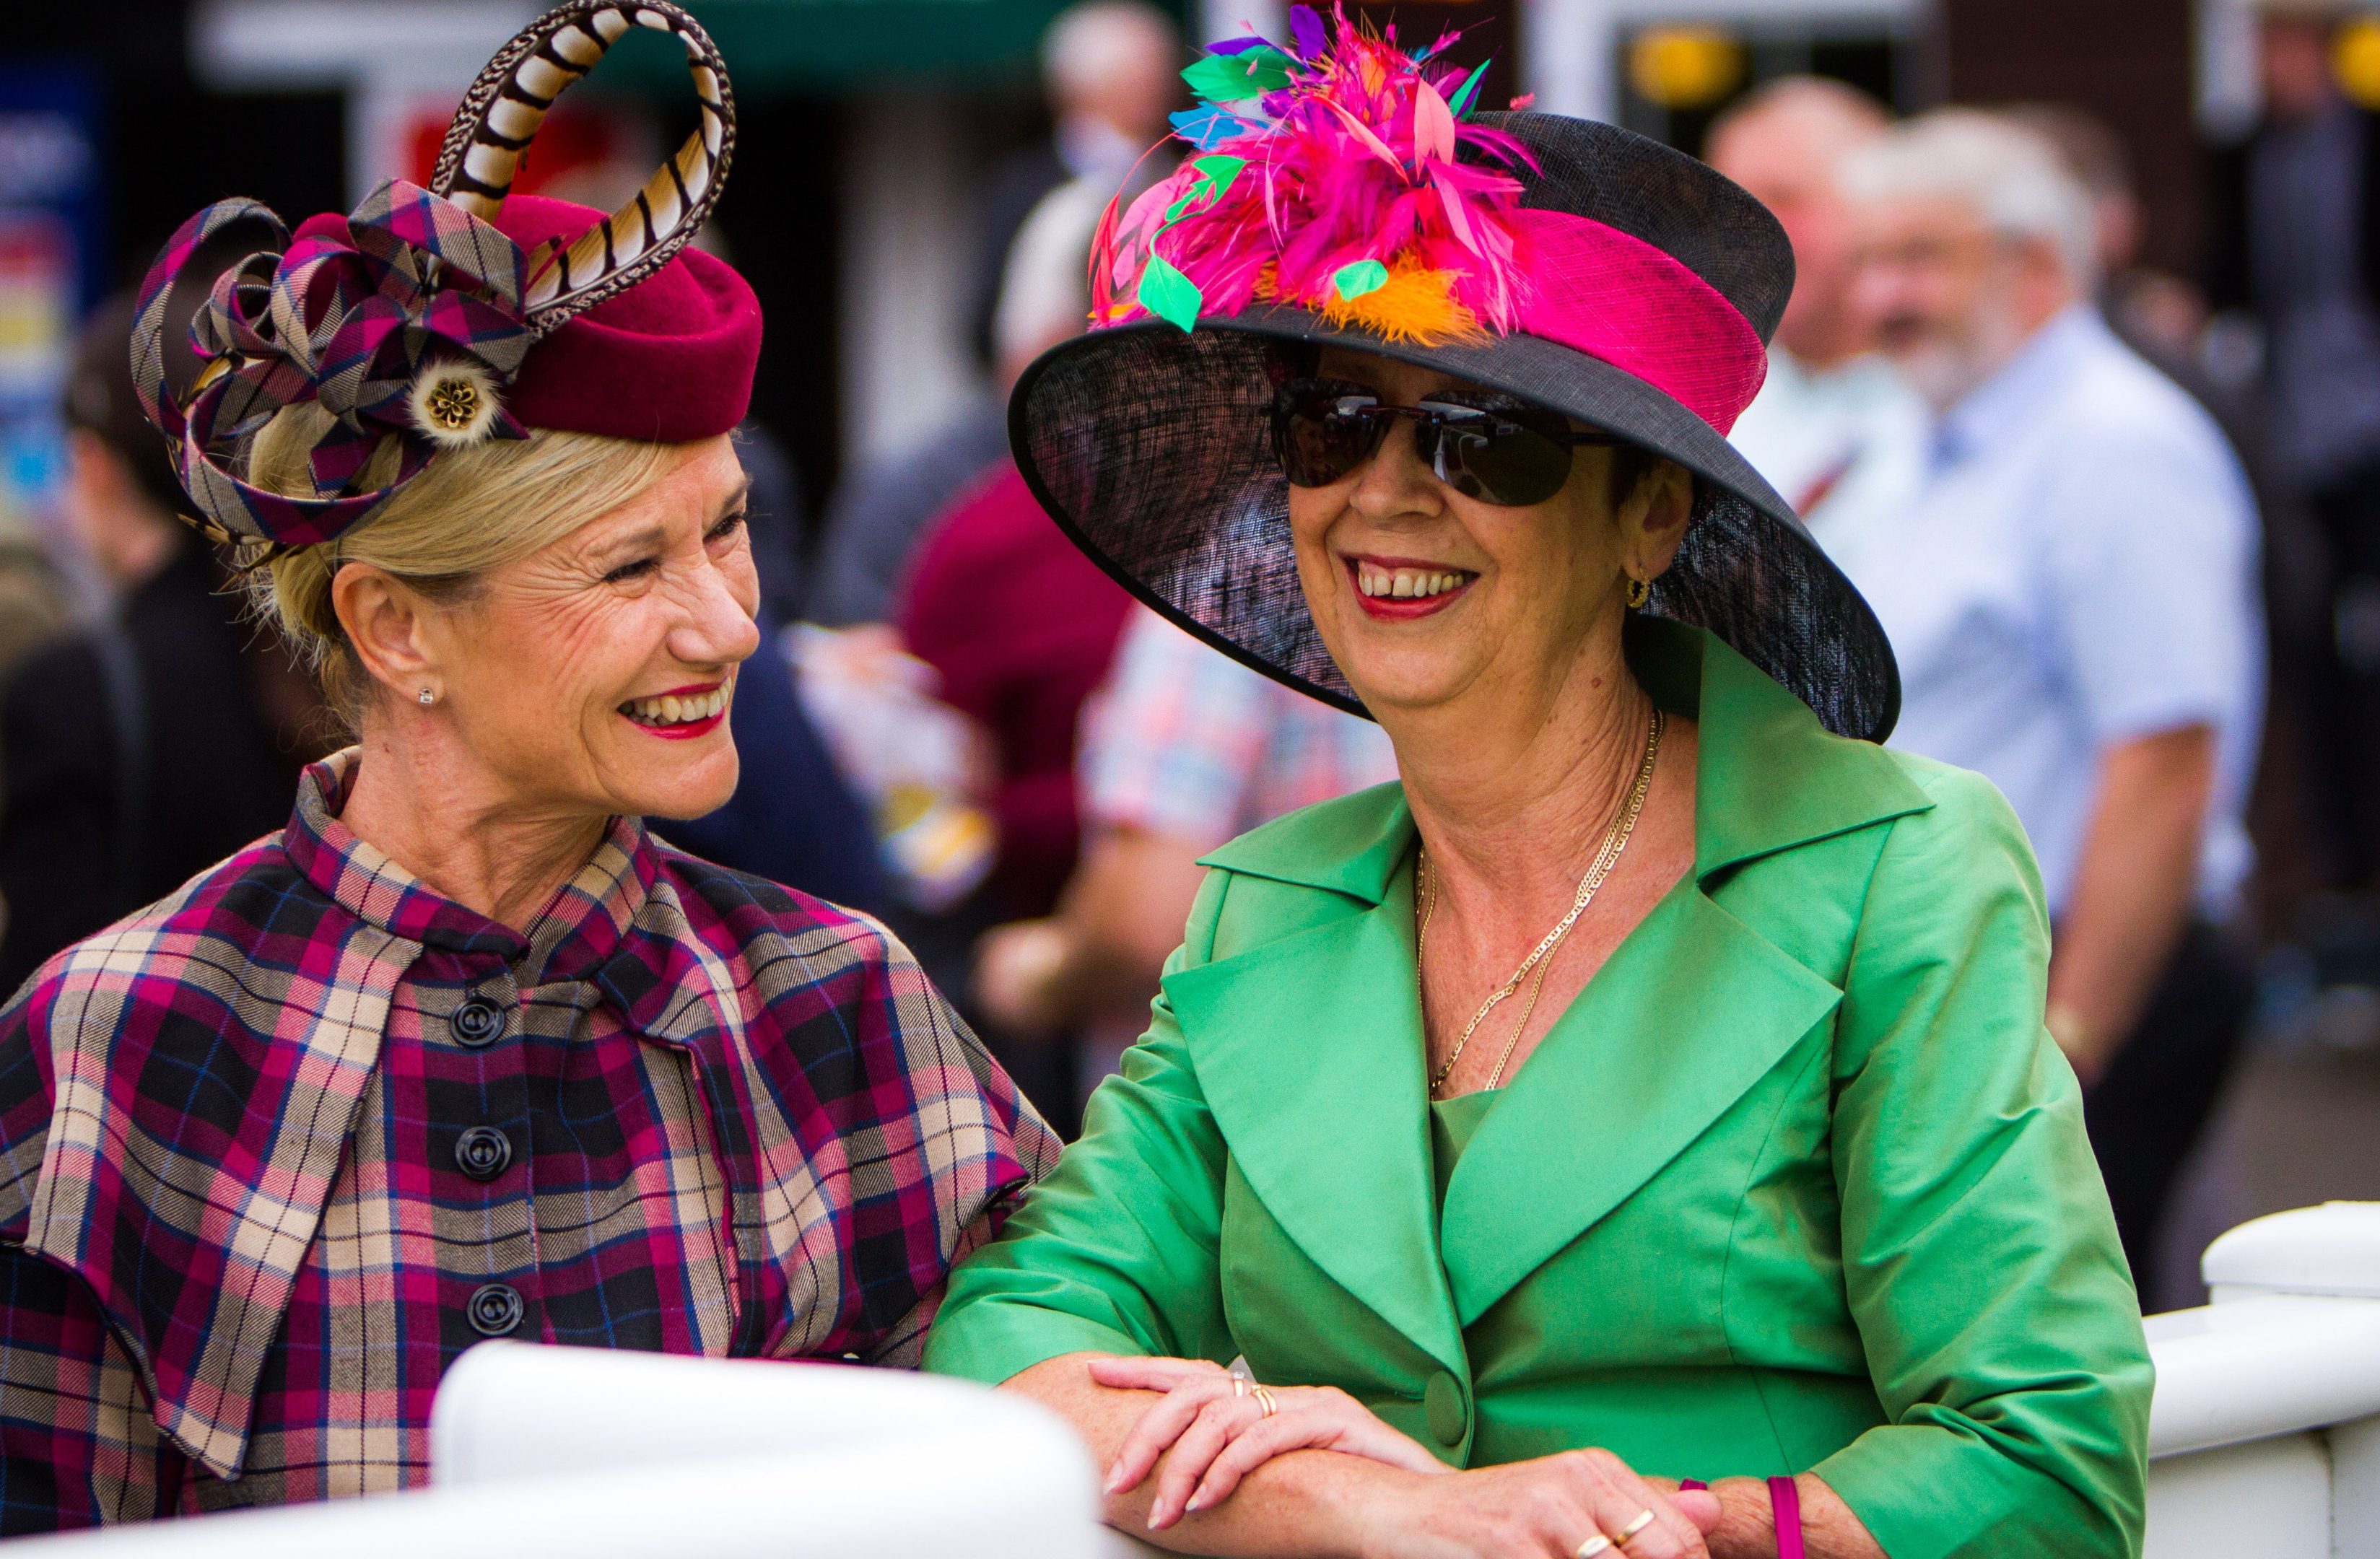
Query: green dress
(1798, 1183)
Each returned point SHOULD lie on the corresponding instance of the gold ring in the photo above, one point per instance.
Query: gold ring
(1239, 1385)
(1265, 1397)
(1643, 1519)
(1593, 1546)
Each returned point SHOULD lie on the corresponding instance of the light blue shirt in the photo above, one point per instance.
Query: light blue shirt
(2079, 569)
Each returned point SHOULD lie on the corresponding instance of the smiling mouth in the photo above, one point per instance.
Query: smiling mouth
(1391, 587)
(682, 711)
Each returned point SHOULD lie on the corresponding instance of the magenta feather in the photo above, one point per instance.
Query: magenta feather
(1359, 158)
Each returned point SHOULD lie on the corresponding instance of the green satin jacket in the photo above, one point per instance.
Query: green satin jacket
(1798, 1183)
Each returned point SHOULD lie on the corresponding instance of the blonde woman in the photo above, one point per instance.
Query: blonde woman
(465, 1052)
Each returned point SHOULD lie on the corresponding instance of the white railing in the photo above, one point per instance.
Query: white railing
(2264, 1440)
(2265, 1437)
(589, 1454)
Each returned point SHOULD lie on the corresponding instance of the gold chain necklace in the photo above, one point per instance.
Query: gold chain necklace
(1615, 840)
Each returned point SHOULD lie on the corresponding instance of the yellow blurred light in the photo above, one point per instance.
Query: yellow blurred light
(1684, 67)
(2355, 60)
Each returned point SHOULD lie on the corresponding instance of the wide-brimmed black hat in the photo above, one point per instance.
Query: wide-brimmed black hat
(1151, 445)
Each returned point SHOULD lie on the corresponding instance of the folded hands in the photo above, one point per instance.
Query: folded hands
(1210, 1429)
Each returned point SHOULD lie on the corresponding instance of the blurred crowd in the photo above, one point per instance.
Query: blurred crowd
(2121, 526)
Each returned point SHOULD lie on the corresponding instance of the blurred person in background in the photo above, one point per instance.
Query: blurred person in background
(2163, 318)
(1183, 749)
(2297, 218)
(1020, 627)
(34, 595)
(1834, 429)
(160, 739)
(1111, 71)
(2072, 599)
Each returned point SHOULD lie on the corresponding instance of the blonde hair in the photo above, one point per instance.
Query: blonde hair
(472, 510)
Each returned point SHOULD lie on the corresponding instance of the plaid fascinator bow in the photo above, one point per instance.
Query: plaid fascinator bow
(408, 329)
(415, 323)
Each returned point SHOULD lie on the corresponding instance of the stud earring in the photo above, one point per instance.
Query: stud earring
(427, 697)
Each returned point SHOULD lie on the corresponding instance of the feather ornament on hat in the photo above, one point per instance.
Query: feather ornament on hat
(413, 320)
(1329, 174)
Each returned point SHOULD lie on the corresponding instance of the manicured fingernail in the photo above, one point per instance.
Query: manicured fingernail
(1116, 1478)
(1197, 1503)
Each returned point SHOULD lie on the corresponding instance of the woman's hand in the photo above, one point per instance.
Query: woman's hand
(1219, 1430)
(1573, 1505)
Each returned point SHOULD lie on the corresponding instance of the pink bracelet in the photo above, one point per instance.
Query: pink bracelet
(1784, 1504)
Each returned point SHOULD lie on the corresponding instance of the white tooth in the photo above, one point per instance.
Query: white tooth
(1367, 582)
(1404, 584)
(716, 702)
(669, 709)
(1445, 583)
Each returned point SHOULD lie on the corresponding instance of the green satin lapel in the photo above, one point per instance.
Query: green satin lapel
(1692, 1009)
(1309, 1050)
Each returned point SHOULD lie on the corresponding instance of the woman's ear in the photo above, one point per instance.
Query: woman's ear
(1653, 518)
(386, 623)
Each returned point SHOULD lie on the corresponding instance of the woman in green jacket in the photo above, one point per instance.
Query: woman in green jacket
(1651, 1090)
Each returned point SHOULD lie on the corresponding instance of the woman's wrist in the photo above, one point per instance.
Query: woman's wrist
(1747, 1521)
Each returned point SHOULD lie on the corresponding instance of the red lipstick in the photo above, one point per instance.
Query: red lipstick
(1398, 608)
(686, 730)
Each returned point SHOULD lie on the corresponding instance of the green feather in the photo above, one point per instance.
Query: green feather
(1238, 78)
(1363, 276)
(1466, 95)
(1168, 293)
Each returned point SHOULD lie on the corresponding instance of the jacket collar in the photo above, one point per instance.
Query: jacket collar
(1752, 732)
(575, 934)
(1307, 1046)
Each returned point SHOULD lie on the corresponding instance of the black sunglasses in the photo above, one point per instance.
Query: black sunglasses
(1512, 455)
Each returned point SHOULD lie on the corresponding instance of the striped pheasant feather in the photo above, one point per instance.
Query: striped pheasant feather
(501, 113)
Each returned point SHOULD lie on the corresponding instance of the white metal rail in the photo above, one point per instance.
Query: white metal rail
(2264, 1439)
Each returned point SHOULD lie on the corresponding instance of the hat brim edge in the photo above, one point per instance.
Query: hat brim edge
(1598, 393)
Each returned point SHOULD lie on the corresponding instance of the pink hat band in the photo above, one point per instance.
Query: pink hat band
(1621, 300)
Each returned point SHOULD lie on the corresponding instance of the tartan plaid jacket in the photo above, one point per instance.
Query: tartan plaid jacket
(275, 1150)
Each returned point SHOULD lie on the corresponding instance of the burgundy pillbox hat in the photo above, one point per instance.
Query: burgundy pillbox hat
(669, 360)
(439, 318)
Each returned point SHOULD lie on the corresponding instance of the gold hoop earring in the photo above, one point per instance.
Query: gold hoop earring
(1639, 592)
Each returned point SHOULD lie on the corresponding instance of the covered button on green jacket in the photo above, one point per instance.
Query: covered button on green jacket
(1797, 1184)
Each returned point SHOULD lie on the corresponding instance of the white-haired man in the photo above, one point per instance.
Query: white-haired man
(2073, 598)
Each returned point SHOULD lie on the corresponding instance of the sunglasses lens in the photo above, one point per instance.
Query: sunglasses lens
(1322, 432)
(1499, 462)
